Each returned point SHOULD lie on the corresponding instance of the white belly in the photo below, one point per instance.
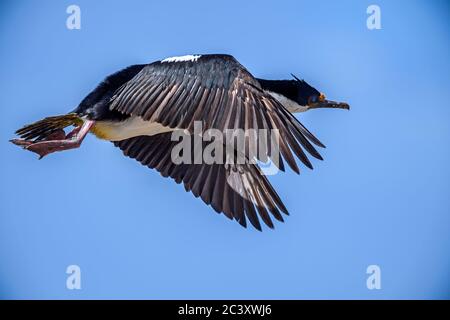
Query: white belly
(132, 127)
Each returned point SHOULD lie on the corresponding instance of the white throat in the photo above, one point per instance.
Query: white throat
(289, 104)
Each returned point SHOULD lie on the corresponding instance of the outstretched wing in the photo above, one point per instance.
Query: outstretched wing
(218, 91)
(239, 191)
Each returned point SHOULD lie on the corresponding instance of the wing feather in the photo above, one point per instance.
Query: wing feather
(240, 191)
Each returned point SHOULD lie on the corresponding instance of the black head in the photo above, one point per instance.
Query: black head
(306, 94)
(301, 92)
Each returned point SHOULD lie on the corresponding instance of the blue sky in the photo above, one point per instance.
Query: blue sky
(380, 197)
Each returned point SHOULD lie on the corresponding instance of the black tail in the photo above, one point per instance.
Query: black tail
(41, 129)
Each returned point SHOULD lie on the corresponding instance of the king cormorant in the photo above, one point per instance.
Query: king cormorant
(138, 109)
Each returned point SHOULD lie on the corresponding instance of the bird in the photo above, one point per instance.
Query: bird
(140, 107)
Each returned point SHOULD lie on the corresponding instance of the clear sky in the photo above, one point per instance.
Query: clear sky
(380, 197)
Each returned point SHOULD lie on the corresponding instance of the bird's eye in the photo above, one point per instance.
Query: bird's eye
(315, 99)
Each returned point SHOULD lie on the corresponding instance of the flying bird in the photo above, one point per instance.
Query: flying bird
(140, 107)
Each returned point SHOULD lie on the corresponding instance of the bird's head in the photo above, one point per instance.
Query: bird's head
(311, 97)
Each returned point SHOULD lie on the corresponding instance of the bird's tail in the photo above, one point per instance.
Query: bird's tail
(41, 129)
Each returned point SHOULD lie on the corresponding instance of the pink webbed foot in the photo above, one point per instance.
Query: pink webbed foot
(56, 135)
(44, 148)
(56, 141)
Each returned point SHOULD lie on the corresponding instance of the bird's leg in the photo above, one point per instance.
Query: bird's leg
(71, 141)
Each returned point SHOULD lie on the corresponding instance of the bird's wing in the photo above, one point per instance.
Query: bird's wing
(239, 191)
(218, 91)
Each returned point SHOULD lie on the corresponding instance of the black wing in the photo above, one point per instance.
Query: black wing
(218, 91)
(239, 191)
